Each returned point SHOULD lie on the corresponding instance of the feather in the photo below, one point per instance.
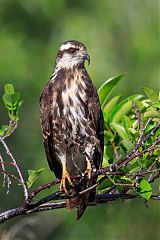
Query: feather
(72, 124)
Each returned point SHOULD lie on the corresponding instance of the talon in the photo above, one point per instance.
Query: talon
(89, 169)
(65, 177)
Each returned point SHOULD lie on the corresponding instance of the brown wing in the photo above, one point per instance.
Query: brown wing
(96, 117)
(46, 127)
(96, 121)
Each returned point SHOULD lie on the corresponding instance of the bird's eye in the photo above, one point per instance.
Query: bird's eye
(72, 50)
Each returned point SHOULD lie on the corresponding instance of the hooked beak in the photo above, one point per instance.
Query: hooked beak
(87, 57)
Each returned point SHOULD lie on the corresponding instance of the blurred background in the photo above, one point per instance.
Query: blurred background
(121, 37)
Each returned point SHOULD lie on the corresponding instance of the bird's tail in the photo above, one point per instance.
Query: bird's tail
(81, 201)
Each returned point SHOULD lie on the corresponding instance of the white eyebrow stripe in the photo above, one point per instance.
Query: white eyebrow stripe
(66, 46)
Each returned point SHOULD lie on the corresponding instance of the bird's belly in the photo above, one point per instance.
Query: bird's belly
(74, 122)
(74, 115)
(69, 135)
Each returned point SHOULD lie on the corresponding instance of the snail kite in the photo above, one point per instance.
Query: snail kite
(72, 124)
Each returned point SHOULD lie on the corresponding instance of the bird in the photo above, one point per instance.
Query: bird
(72, 125)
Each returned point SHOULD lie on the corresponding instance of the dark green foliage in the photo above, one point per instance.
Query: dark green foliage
(105, 90)
(122, 129)
(126, 122)
(144, 189)
(12, 102)
(33, 176)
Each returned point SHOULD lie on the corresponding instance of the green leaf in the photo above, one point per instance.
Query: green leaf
(120, 130)
(123, 108)
(105, 116)
(122, 151)
(144, 189)
(33, 175)
(109, 151)
(140, 105)
(9, 88)
(108, 136)
(156, 105)
(134, 132)
(105, 162)
(110, 106)
(127, 121)
(11, 100)
(134, 167)
(3, 129)
(127, 126)
(151, 113)
(105, 184)
(127, 144)
(106, 88)
(125, 179)
(151, 94)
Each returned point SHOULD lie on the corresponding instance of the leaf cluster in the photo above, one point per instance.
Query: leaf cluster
(131, 162)
(12, 102)
(124, 126)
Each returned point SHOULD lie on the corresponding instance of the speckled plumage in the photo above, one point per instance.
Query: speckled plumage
(72, 121)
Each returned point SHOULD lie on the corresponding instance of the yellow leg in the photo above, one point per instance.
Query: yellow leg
(65, 177)
(89, 169)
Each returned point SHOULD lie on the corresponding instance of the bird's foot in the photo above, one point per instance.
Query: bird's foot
(89, 169)
(65, 178)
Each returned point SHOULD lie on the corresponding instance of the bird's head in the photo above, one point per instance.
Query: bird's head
(71, 53)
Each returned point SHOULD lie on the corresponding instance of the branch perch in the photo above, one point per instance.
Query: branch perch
(113, 172)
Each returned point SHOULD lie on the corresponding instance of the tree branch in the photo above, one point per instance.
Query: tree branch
(25, 190)
(113, 173)
(100, 199)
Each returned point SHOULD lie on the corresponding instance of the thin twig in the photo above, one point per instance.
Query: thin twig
(138, 115)
(153, 164)
(152, 133)
(41, 188)
(17, 168)
(5, 177)
(11, 175)
(7, 163)
(57, 199)
(119, 164)
(127, 158)
(12, 127)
